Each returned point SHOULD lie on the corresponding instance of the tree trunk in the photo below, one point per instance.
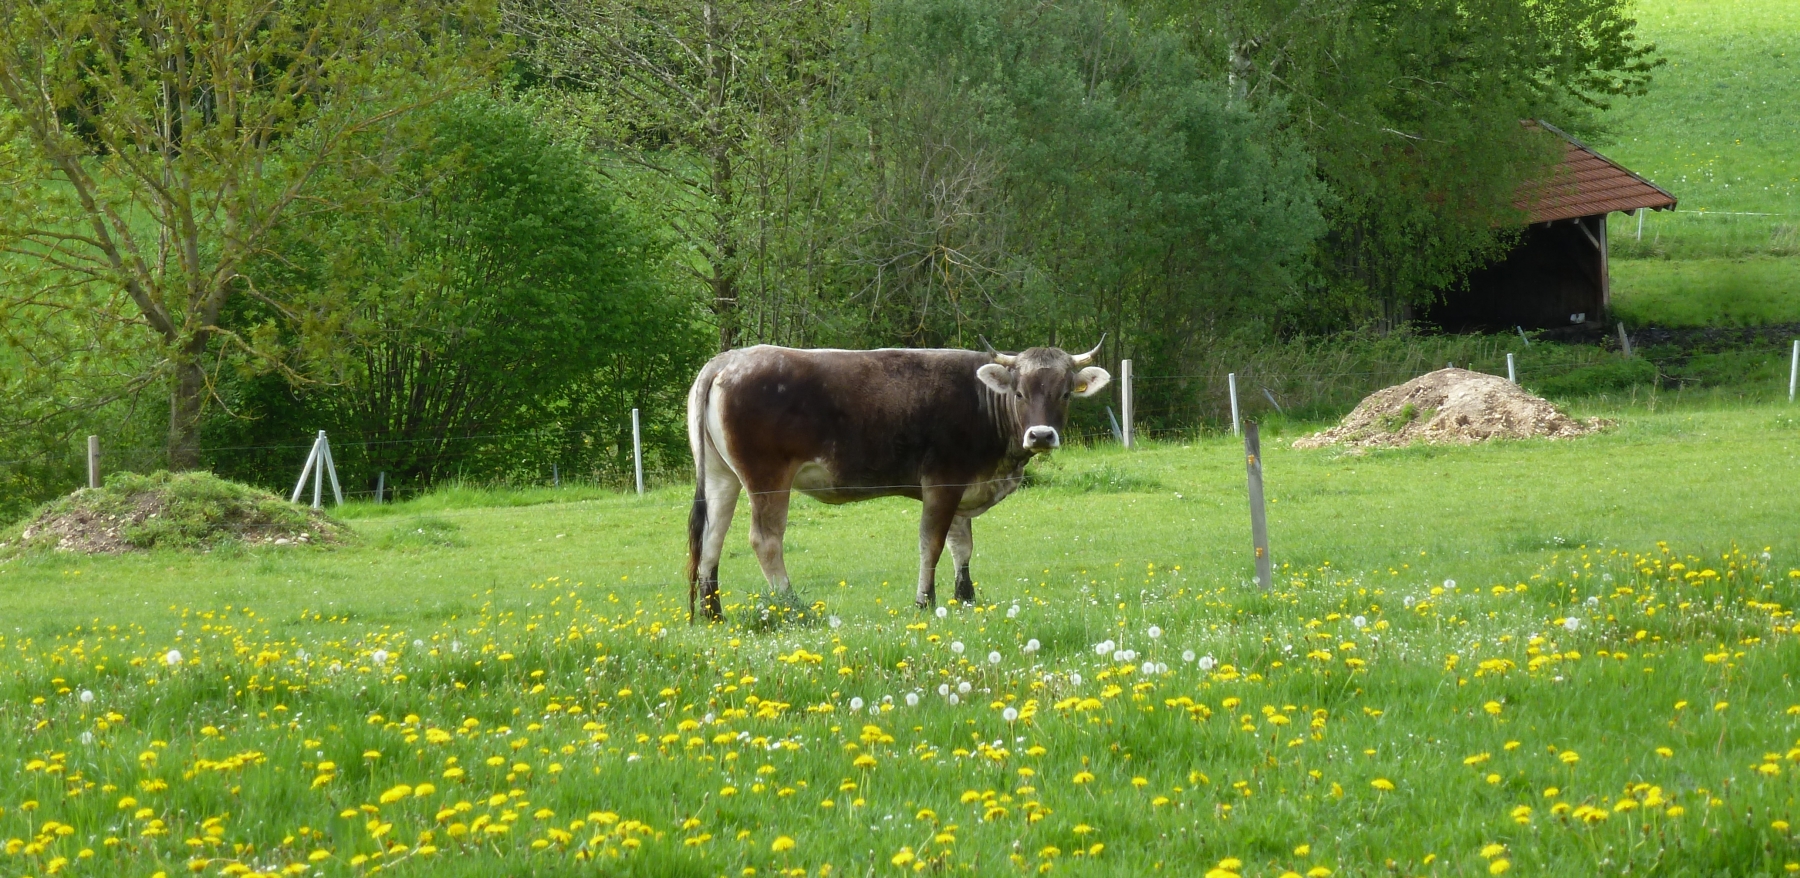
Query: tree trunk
(187, 394)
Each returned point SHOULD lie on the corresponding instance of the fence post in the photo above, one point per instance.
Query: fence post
(555, 475)
(1236, 423)
(337, 491)
(319, 472)
(1113, 421)
(1510, 374)
(637, 450)
(1794, 370)
(1640, 233)
(1624, 340)
(1522, 336)
(312, 459)
(380, 487)
(1259, 522)
(1126, 410)
(94, 460)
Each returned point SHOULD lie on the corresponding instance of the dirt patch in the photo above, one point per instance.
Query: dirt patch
(196, 511)
(1450, 406)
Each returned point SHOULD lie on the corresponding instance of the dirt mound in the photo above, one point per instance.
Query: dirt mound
(1449, 406)
(134, 512)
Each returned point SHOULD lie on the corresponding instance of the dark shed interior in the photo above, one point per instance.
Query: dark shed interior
(1557, 274)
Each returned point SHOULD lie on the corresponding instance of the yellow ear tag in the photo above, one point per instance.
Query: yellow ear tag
(1081, 388)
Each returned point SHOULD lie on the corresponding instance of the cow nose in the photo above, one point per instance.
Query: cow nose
(1042, 438)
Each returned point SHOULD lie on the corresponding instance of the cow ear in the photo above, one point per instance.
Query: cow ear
(1091, 380)
(998, 378)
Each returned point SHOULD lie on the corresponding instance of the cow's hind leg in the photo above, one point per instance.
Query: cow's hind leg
(934, 526)
(962, 545)
(768, 524)
(722, 489)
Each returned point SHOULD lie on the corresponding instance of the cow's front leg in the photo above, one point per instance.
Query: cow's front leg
(962, 545)
(934, 526)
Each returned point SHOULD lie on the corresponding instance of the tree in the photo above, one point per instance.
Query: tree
(682, 95)
(1411, 109)
(151, 147)
(493, 300)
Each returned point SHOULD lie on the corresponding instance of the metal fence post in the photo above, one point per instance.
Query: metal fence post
(1236, 423)
(1510, 374)
(637, 450)
(1126, 410)
(94, 460)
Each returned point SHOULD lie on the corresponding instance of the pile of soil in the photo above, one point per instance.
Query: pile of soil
(192, 510)
(1450, 406)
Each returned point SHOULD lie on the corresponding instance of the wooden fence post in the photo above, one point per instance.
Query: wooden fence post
(94, 460)
(1259, 521)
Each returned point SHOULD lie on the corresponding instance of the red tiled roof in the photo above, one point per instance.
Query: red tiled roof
(1587, 183)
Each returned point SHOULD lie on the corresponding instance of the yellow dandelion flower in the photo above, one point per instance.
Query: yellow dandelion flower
(782, 843)
(1382, 784)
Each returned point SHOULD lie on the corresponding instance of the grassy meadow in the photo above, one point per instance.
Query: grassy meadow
(1544, 657)
(1719, 129)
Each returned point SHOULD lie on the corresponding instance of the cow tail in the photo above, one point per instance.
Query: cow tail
(697, 398)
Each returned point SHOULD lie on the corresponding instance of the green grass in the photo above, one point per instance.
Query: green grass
(1706, 292)
(313, 685)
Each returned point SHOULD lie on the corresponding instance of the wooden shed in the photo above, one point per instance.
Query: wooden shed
(1557, 274)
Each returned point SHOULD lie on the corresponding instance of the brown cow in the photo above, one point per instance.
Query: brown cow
(951, 428)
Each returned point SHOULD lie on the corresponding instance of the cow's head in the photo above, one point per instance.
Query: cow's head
(1041, 381)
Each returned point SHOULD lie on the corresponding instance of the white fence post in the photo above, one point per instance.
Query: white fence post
(312, 459)
(1794, 370)
(1259, 519)
(637, 450)
(1126, 409)
(94, 460)
(1510, 374)
(319, 466)
(1237, 425)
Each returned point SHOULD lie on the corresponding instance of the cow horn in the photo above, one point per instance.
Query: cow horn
(1002, 359)
(1084, 359)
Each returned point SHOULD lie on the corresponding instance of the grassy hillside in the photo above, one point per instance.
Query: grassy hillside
(1721, 130)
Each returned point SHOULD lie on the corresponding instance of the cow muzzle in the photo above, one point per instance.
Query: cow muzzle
(1041, 439)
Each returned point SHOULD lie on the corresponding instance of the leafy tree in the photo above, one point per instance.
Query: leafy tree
(1411, 110)
(680, 96)
(496, 307)
(149, 148)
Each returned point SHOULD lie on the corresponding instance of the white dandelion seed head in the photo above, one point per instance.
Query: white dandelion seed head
(87, 737)
(1118, 655)
(1207, 663)
(418, 644)
(943, 688)
(173, 657)
(1360, 622)
(1075, 678)
(379, 657)
(887, 699)
(956, 646)
(1154, 632)
(1408, 601)
(1187, 655)
(1148, 668)
(1162, 668)
(1593, 601)
(942, 612)
(954, 700)
(964, 687)
(994, 657)
(1572, 623)
(874, 710)
(912, 699)
(856, 703)
(1130, 655)
(1031, 645)
(1449, 583)
(835, 622)
(86, 696)
(1012, 612)
(1009, 714)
